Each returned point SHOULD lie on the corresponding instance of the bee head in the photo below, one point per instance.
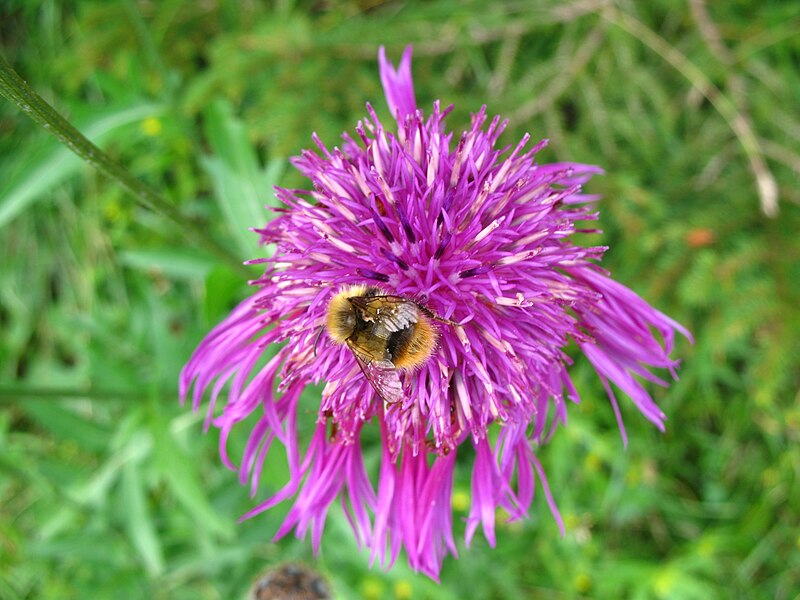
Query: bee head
(342, 319)
(347, 318)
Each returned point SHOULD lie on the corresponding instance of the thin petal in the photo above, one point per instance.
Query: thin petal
(398, 85)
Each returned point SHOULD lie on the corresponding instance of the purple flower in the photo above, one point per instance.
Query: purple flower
(479, 235)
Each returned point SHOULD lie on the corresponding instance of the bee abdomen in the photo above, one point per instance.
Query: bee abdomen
(411, 346)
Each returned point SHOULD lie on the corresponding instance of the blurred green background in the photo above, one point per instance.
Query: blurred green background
(108, 489)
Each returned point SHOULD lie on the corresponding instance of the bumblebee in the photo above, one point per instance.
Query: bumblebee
(387, 334)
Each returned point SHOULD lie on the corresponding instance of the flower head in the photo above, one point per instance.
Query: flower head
(479, 235)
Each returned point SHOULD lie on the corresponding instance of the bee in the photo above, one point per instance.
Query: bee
(387, 334)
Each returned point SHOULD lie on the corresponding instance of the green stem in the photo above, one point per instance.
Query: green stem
(14, 88)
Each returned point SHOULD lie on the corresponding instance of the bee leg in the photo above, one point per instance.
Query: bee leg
(316, 339)
(442, 320)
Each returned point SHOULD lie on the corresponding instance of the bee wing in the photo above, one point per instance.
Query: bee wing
(382, 376)
(385, 378)
(393, 312)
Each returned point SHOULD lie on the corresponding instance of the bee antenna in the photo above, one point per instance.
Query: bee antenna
(316, 339)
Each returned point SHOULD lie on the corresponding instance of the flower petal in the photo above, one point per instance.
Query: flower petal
(397, 84)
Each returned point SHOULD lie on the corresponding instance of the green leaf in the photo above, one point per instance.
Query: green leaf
(141, 528)
(178, 263)
(241, 187)
(131, 444)
(180, 473)
(56, 164)
(223, 290)
(66, 424)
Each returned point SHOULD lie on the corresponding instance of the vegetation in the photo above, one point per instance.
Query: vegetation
(108, 489)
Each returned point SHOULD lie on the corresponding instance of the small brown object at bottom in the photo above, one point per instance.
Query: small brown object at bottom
(291, 581)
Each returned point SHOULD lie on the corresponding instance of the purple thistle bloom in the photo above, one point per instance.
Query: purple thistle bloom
(480, 235)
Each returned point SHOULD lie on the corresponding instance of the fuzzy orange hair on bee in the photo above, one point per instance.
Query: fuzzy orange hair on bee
(386, 334)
